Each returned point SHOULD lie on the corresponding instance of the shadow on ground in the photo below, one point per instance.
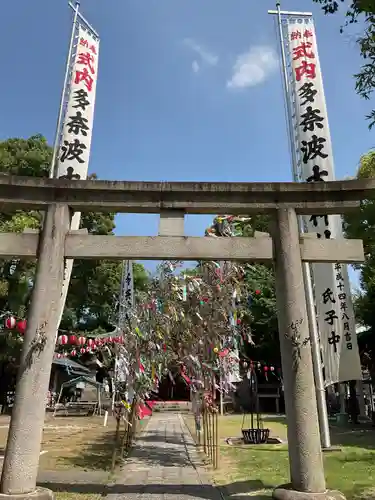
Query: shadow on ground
(360, 436)
(96, 455)
(234, 491)
(162, 438)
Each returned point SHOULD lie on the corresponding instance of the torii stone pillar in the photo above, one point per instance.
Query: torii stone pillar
(305, 455)
(21, 461)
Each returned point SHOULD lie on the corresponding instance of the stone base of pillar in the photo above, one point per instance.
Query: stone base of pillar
(286, 492)
(38, 494)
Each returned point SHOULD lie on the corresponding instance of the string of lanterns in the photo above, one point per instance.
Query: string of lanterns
(264, 369)
(11, 323)
(79, 344)
(82, 345)
(252, 365)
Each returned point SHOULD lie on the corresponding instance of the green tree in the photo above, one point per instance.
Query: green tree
(361, 224)
(360, 10)
(261, 319)
(29, 157)
(94, 288)
(260, 281)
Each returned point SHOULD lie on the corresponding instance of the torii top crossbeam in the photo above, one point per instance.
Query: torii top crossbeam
(189, 197)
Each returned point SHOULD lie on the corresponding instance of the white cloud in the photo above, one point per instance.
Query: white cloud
(205, 55)
(195, 66)
(253, 67)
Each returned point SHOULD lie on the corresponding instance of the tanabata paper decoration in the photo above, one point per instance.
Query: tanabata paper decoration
(191, 320)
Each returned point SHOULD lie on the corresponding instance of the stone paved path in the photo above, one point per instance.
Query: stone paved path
(164, 465)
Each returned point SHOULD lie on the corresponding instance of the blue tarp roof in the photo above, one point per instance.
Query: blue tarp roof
(66, 362)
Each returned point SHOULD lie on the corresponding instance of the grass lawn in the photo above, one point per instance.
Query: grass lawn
(256, 470)
(74, 443)
(77, 442)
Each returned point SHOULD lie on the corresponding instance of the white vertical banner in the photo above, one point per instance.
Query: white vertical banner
(315, 161)
(74, 150)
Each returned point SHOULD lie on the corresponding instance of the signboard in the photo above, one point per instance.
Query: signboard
(315, 163)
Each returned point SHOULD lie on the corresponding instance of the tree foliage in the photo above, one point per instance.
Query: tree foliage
(361, 224)
(94, 288)
(363, 10)
(259, 289)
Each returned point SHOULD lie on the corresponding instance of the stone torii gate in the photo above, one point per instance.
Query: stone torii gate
(287, 248)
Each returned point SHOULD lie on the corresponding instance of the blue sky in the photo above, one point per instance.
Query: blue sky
(169, 103)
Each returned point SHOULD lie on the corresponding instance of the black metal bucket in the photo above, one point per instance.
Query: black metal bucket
(255, 436)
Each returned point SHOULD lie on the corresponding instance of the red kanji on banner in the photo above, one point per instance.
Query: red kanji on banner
(308, 34)
(306, 69)
(84, 43)
(83, 76)
(303, 50)
(87, 59)
(295, 35)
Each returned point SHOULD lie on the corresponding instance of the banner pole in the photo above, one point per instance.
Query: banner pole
(53, 171)
(314, 334)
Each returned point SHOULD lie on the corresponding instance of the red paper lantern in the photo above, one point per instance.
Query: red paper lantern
(10, 323)
(72, 340)
(265, 368)
(62, 340)
(73, 353)
(120, 339)
(257, 292)
(81, 340)
(57, 355)
(110, 339)
(239, 321)
(90, 342)
(21, 326)
(82, 350)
